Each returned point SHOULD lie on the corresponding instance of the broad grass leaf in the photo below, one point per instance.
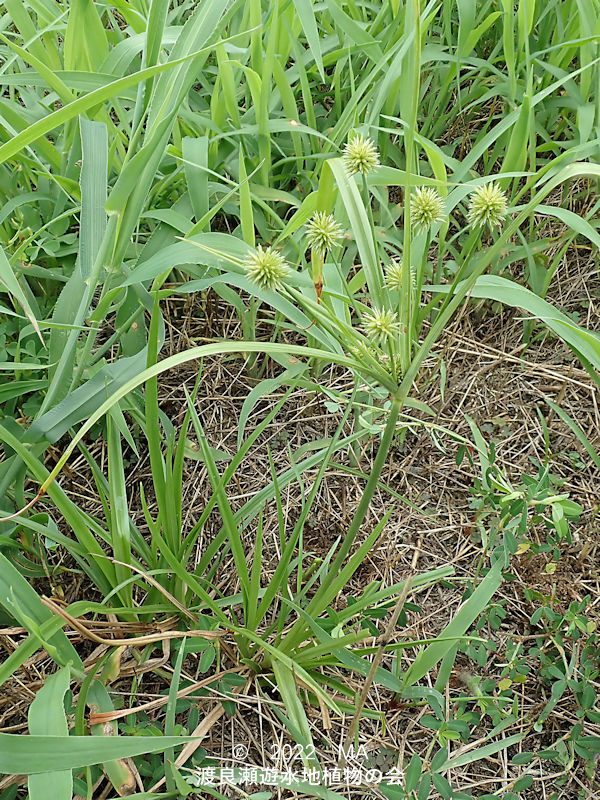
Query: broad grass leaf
(29, 755)
(73, 301)
(359, 224)
(481, 752)
(573, 220)
(86, 43)
(62, 115)
(10, 284)
(306, 15)
(583, 341)
(85, 400)
(46, 717)
(460, 624)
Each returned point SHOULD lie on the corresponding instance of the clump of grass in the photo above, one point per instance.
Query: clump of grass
(148, 150)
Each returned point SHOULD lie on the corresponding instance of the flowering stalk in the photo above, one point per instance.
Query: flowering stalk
(419, 287)
(317, 262)
(323, 233)
(406, 303)
(426, 207)
(362, 157)
(487, 206)
(367, 202)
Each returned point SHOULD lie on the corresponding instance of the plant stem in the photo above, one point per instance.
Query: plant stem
(378, 465)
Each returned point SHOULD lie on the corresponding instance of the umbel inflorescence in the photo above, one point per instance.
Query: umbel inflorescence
(268, 269)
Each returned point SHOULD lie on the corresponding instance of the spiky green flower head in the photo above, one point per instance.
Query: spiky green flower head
(323, 232)
(487, 205)
(266, 267)
(394, 276)
(381, 324)
(360, 155)
(427, 207)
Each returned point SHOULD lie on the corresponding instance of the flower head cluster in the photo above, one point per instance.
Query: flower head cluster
(323, 232)
(266, 267)
(427, 207)
(360, 155)
(487, 205)
(381, 324)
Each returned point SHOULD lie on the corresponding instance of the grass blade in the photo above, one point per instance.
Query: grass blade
(464, 618)
(47, 717)
(9, 282)
(22, 601)
(30, 755)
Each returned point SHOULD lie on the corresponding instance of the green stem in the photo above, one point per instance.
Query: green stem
(367, 202)
(249, 332)
(378, 465)
(92, 282)
(406, 305)
(418, 290)
(474, 240)
(344, 284)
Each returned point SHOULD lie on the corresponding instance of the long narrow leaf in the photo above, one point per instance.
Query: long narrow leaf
(47, 717)
(30, 755)
(464, 618)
